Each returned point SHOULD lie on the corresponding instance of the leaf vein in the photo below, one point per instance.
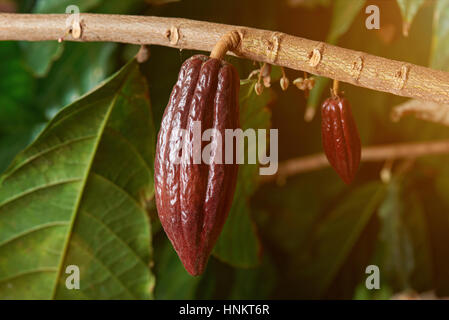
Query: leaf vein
(35, 189)
(41, 153)
(21, 274)
(105, 267)
(36, 228)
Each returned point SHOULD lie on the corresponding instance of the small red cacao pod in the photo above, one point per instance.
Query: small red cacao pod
(193, 200)
(340, 137)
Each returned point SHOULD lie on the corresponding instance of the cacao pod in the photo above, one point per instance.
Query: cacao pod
(340, 137)
(193, 200)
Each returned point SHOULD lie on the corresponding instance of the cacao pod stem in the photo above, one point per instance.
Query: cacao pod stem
(229, 42)
(335, 88)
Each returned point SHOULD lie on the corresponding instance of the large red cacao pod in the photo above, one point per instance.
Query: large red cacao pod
(193, 200)
(340, 137)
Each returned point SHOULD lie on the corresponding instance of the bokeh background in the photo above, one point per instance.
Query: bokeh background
(315, 235)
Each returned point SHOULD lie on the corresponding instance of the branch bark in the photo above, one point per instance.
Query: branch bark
(369, 154)
(357, 68)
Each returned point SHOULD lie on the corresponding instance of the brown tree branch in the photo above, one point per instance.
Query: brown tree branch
(357, 68)
(369, 154)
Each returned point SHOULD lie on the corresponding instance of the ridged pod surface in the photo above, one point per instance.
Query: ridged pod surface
(340, 137)
(193, 200)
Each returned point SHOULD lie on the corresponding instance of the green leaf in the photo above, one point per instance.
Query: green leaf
(343, 16)
(255, 283)
(404, 251)
(120, 7)
(409, 9)
(93, 61)
(74, 197)
(397, 256)
(18, 116)
(41, 55)
(334, 237)
(344, 13)
(59, 6)
(309, 3)
(415, 222)
(315, 96)
(287, 213)
(17, 89)
(11, 144)
(440, 39)
(238, 244)
(362, 293)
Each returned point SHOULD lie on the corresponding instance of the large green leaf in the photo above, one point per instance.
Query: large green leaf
(409, 9)
(440, 39)
(74, 198)
(238, 244)
(334, 237)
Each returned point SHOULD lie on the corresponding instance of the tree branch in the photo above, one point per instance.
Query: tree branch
(369, 154)
(357, 68)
